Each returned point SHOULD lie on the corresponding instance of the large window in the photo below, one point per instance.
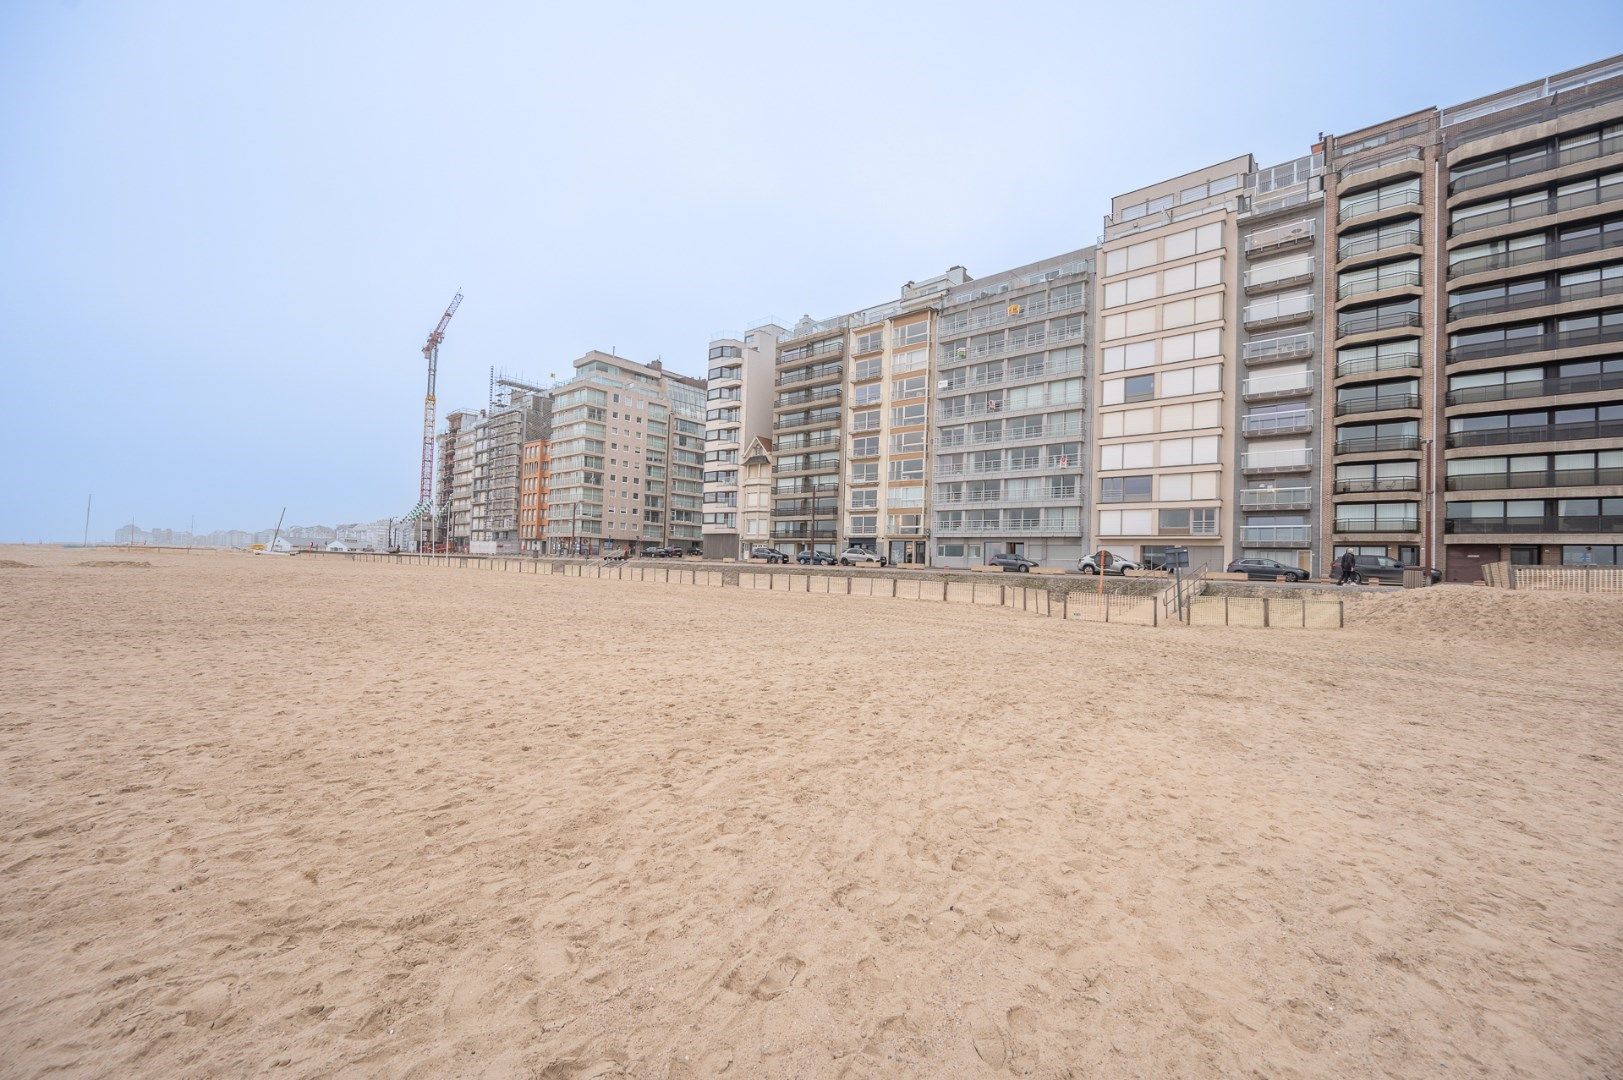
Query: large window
(1124, 489)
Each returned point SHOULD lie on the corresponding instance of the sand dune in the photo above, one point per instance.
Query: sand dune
(299, 816)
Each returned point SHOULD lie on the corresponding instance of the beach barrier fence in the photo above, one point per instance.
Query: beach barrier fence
(1071, 600)
(1586, 579)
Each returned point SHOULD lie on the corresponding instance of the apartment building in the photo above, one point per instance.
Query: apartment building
(625, 458)
(1479, 313)
(1280, 219)
(755, 494)
(887, 399)
(738, 409)
(1010, 413)
(499, 437)
(455, 482)
(1165, 382)
(806, 425)
(532, 497)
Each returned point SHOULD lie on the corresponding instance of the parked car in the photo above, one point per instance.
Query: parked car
(854, 555)
(662, 553)
(771, 555)
(1089, 564)
(1385, 569)
(1010, 562)
(1266, 570)
(814, 558)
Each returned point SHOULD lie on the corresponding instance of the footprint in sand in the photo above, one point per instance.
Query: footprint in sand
(985, 1036)
(1023, 1040)
(778, 979)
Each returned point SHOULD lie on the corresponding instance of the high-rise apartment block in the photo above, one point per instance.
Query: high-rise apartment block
(738, 408)
(625, 458)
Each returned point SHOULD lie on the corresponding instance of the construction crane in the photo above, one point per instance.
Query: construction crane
(431, 352)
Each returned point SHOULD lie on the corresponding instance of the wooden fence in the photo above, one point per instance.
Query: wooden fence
(1585, 579)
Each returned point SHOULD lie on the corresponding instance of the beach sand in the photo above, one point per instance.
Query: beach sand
(306, 816)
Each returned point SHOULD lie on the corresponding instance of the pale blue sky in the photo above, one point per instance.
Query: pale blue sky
(227, 227)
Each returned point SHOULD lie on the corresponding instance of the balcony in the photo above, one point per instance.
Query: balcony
(1373, 321)
(1571, 384)
(803, 397)
(1282, 424)
(1538, 433)
(1380, 403)
(1019, 466)
(1564, 294)
(1534, 478)
(1554, 204)
(1269, 462)
(1377, 484)
(1275, 535)
(1277, 312)
(1402, 361)
(1554, 339)
(1278, 276)
(1282, 237)
(801, 420)
(1551, 159)
(978, 498)
(796, 530)
(1550, 523)
(1272, 350)
(1358, 168)
(1012, 528)
(1275, 498)
(1351, 247)
(1371, 444)
(1376, 202)
(818, 373)
(1269, 387)
(1052, 431)
(1551, 249)
(802, 354)
(1377, 525)
(794, 443)
(1379, 283)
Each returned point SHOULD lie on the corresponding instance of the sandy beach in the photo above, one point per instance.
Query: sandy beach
(302, 816)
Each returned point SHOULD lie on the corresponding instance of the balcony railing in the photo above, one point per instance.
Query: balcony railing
(1281, 237)
(1269, 350)
(1005, 378)
(1281, 424)
(1376, 202)
(1359, 323)
(1275, 535)
(1384, 362)
(1378, 404)
(1377, 525)
(1534, 478)
(1051, 431)
(1276, 461)
(1377, 483)
(1554, 339)
(1278, 276)
(1550, 523)
(1290, 384)
(946, 472)
(1358, 168)
(1563, 294)
(1551, 159)
(977, 498)
(1379, 283)
(1533, 433)
(810, 374)
(1275, 499)
(1351, 247)
(1553, 204)
(801, 420)
(791, 444)
(1011, 527)
(1570, 384)
(803, 397)
(1282, 309)
(1552, 249)
(1368, 444)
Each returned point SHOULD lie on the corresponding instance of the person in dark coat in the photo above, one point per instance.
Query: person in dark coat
(1349, 564)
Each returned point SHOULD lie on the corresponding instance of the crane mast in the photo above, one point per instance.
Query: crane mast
(431, 353)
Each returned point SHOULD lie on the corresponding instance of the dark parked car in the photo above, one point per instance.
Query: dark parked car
(1384, 569)
(662, 553)
(814, 558)
(1266, 570)
(771, 555)
(1017, 564)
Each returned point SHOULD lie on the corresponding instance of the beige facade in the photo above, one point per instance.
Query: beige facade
(1164, 378)
(755, 494)
(738, 407)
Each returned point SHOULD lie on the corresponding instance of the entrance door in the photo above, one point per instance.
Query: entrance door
(1465, 562)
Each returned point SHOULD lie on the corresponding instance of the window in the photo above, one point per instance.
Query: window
(907, 414)
(864, 499)
(908, 388)
(868, 446)
(907, 469)
(865, 525)
(912, 334)
(1124, 489)
(872, 341)
(1138, 388)
(867, 394)
(868, 369)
